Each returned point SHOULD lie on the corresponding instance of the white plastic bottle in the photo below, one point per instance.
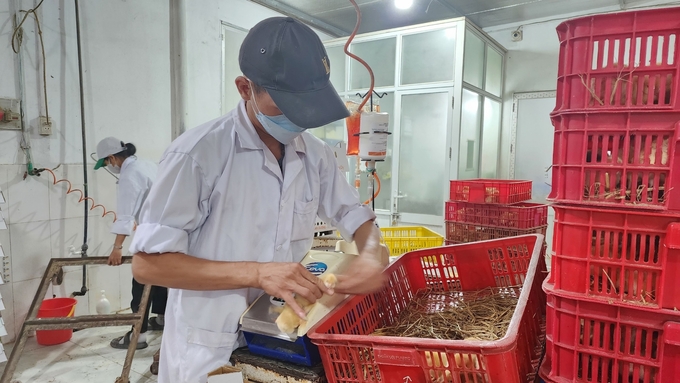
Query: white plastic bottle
(103, 306)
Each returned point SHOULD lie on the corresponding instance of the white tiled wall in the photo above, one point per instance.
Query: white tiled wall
(8, 314)
(43, 221)
(31, 245)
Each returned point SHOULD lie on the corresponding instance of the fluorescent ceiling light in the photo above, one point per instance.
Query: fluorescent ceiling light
(403, 4)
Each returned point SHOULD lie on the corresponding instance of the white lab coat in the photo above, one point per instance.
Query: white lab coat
(134, 183)
(220, 195)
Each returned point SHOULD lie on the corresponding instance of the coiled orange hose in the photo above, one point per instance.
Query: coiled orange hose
(82, 195)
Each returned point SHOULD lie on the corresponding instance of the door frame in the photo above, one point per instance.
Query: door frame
(421, 219)
(516, 98)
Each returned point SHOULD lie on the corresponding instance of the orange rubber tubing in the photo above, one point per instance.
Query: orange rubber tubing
(82, 196)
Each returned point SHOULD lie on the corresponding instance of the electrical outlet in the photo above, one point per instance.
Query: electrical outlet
(45, 126)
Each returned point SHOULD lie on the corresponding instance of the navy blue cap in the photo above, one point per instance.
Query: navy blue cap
(288, 59)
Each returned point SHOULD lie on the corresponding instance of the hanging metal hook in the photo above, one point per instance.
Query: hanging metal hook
(373, 93)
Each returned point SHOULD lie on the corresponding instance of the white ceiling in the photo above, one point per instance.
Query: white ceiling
(337, 17)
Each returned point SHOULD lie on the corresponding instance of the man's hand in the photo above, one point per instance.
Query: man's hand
(116, 257)
(283, 280)
(363, 276)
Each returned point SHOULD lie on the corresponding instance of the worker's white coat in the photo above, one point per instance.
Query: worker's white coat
(134, 183)
(220, 195)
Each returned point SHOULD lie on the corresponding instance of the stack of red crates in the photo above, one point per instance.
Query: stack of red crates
(486, 209)
(614, 288)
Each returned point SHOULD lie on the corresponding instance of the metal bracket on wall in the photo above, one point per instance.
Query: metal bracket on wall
(10, 114)
(6, 269)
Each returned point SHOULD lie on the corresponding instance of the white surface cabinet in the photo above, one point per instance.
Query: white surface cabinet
(443, 84)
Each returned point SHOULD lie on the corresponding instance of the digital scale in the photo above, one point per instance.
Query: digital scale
(258, 321)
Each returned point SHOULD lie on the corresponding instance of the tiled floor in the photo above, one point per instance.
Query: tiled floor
(87, 357)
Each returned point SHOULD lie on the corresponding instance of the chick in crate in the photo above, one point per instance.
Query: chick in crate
(288, 321)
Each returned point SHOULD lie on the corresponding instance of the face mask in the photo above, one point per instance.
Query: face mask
(279, 127)
(113, 168)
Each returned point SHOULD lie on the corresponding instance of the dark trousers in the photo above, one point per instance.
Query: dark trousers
(158, 295)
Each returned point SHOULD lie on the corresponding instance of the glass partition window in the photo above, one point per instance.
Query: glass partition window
(420, 81)
(483, 65)
(424, 124)
(473, 63)
(336, 56)
(428, 57)
(380, 55)
(331, 133)
(491, 129)
(470, 128)
(494, 71)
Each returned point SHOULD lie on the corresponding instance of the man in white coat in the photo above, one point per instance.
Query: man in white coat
(233, 208)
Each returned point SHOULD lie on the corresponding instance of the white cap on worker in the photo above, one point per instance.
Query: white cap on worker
(107, 147)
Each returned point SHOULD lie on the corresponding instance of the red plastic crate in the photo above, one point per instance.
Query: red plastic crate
(619, 61)
(591, 342)
(518, 216)
(617, 159)
(618, 256)
(349, 354)
(491, 191)
(457, 232)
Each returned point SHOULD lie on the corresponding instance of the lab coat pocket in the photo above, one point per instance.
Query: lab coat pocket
(212, 339)
(304, 217)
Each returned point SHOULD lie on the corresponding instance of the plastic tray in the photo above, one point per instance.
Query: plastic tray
(457, 232)
(402, 239)
(589, 341)
(301, 352)
(490, 191)
(617, 159)
(620, 61)
(620, 256)
(518, 216)
(349, 354)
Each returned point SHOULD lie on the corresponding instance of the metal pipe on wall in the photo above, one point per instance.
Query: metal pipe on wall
(25, 142)
(83, 253)
(178, 66)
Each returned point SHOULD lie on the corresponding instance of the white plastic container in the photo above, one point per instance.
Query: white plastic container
(103, 306)
(373, 137)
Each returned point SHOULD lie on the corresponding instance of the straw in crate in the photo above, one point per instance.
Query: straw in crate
(518, 216)
(618, 256)
(617, 159)
(619, 61)
(351, 354)
(588, 341)
(457, 232)
(490, 191)
(402, 239)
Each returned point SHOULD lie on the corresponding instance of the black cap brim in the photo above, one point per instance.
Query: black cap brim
(310, 109)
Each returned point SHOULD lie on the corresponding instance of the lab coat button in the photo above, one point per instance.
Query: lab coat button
(278, 247)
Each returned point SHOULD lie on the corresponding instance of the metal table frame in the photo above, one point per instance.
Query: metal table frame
(32, 322)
